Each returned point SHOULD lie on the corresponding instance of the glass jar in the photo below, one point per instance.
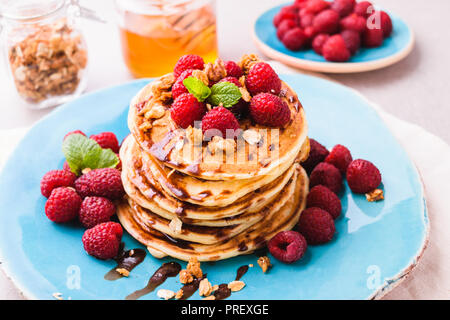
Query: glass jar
(46, 52)
(155, 33)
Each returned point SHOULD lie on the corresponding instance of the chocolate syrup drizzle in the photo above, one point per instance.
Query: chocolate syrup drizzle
(127, 260)
(190, 288)
(241, 271)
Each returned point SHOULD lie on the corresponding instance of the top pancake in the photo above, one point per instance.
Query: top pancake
(160, 137)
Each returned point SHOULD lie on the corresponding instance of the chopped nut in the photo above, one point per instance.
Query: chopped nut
(145, 126)
(86, 170)
(247, 61)
(179, 144)
(175, 225)
(212, 297)
(179, 294)
(264, 263)
(252, 136)
(216, 71)
(375, 195)
(161, 88)
(215, 287)
(193, 267)
(194, 135)
(201, 75)
(156, 112)
(251, 265)
(245, 94)
(165, 294)
(219, 144)
(186, 276)
(236, 285)
(205, 288)
(57, 296)
(122, 271)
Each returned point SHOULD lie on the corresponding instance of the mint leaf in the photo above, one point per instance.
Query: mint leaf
(226, 93)
(197, 88)
(82, 152)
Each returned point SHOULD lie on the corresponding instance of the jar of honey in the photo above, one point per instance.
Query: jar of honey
(155, 33)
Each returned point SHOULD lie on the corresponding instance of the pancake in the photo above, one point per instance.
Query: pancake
(245, 242)
(194, 190)
(208, 234)
(162, 139)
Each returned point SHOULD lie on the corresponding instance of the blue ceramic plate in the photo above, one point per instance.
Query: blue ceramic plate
(375, 245)
(393, 49)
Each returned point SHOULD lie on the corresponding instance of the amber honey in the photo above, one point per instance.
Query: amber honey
(153, 42)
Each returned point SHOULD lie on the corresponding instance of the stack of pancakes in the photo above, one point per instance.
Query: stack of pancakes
(186, 199)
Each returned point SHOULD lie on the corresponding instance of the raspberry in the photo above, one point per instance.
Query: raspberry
(306, 19)
(327, 175)
(281, 16)
(343, 7)
(319, 41)
(232, 80)
(325, 199)
(310, 32)
(56, 178)
(326, 22)
(363, 9)
(340, 157)
(316, 225)
(189, 61)
(74, 132)
(300, 4)
(105, 182)
(220, 119)
(295, 39)
(233, 70)
(363, 176)
(262, 78)
(316, 6)
(353, 22)
(95, 210)
(178, 87)
(269, 110)
(334, 49)
(62, 205)
(284, 27)
(287, 246)
(386, 24)
(186, 109)
(372, 38)
(103, 240)
(317, 154)
(352, 40)
(106, 140)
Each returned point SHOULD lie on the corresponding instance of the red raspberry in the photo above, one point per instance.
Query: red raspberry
(74, 132)
(233, 70)
(372, 38)
(316, 6)
(105, 182)
(306, 19)
(295, 39)
(106, 140)
(300, 4)
(327, 175)
(186, 109)
(62, 205)
(189, 61)
(217, 121)
(284, 27)
(232, 80)
(310, 32)
(334, 49)
(353, 22)
(287, 246)
(340, 157)
(178, 87)
(352, 40)
(364, 9)
(269, 110)
(239, 109)
(325, 199)
(343, 7)
(316, 225)
(56, 178)
(326, 22)
(319, 41)
(363, 176)
(95, 210)
(262, 78)
(386, 24)
(281, 16)
(317, 154)
(103, 240)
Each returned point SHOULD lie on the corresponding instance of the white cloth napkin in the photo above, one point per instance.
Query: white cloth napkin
(430, 279)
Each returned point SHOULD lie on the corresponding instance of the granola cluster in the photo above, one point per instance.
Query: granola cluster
(47, 62)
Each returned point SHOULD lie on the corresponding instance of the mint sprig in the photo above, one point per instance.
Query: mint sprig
(82, 152)
(225, 93)
(197, 88)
